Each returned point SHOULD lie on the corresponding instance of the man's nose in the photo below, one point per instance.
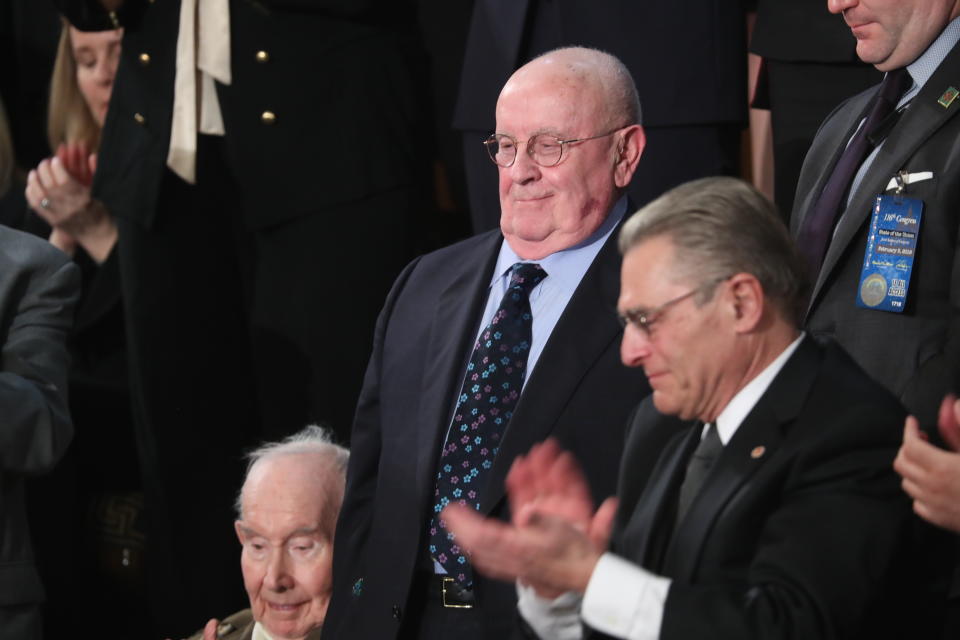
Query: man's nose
(523, 169)
(838, 6)
(634, 346)
(278, 576)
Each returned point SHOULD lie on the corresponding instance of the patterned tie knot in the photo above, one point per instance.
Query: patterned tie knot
(524, 276)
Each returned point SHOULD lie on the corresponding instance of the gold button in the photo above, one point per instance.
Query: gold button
(268, 117)
(144, 59)
(139, 118)
(263, 56)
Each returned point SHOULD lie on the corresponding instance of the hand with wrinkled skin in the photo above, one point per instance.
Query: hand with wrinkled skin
(931, 476)
(555, 538)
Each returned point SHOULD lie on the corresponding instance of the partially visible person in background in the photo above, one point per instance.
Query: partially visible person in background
(802, 78)
(38, 289)
(287, 512)
(95, 494)
(58, 190)
(931, 474)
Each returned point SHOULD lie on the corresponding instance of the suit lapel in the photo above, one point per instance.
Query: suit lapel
(452, 335)
(585, 330)
(755, 441)
(655, 508)
(920, 121)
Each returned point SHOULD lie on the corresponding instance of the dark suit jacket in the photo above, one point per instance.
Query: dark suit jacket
(341, 76)
(915, 354)
(686, 56)
(796, 531)
(579, 393)
(38, 289)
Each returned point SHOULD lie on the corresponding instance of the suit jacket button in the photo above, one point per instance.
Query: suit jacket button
(139, 118)
(268, 117)
(397, 613)
(263, 56)
(144, 59)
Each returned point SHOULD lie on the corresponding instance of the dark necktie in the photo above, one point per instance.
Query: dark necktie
(817, 228)
(491, 388)
(698, 468)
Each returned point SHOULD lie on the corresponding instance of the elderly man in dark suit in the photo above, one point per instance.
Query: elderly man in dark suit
(487, 346)
(39, 286)
(773, 512)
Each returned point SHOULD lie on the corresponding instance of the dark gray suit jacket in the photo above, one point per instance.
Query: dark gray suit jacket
(915, 354)
(39, 286)
(579, 393)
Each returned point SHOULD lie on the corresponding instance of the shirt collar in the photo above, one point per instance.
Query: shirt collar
(259, 633)
(746, 399)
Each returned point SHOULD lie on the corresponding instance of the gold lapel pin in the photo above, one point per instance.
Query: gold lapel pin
(948, 96)
(758, 452)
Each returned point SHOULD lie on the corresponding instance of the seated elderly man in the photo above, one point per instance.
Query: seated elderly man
(773, 512)
(287, 514)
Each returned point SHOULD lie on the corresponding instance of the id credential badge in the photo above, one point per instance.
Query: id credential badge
(891, 248)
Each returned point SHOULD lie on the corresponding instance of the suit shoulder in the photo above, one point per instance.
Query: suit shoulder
(848, 407)
(24, 251)
(463, 249)
(448, 262)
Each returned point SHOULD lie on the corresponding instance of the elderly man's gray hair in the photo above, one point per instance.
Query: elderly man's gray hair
(331, 465)
(720, 227)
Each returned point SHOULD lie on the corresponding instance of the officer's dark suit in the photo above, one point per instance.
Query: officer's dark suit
(578, 392)
(38, 289)
(800, 529)
(251, 297)
(915, 354)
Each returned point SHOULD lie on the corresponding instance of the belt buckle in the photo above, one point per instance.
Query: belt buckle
(451, 605)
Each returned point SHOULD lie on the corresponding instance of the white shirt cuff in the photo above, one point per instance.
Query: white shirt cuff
(624, 600)
(557, 618)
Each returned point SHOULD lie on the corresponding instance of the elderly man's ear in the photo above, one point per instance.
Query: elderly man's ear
(630, 144)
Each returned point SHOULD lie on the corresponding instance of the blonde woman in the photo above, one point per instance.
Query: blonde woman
(94, 495)
(58, 190)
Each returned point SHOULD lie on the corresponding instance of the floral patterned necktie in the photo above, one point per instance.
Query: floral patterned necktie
(491, 388)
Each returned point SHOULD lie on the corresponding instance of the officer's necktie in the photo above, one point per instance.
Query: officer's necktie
(817, 227)
(491, 389)
(698, 468)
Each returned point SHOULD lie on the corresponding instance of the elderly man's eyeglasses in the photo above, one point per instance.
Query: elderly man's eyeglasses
(545, 149)
(644, 319)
